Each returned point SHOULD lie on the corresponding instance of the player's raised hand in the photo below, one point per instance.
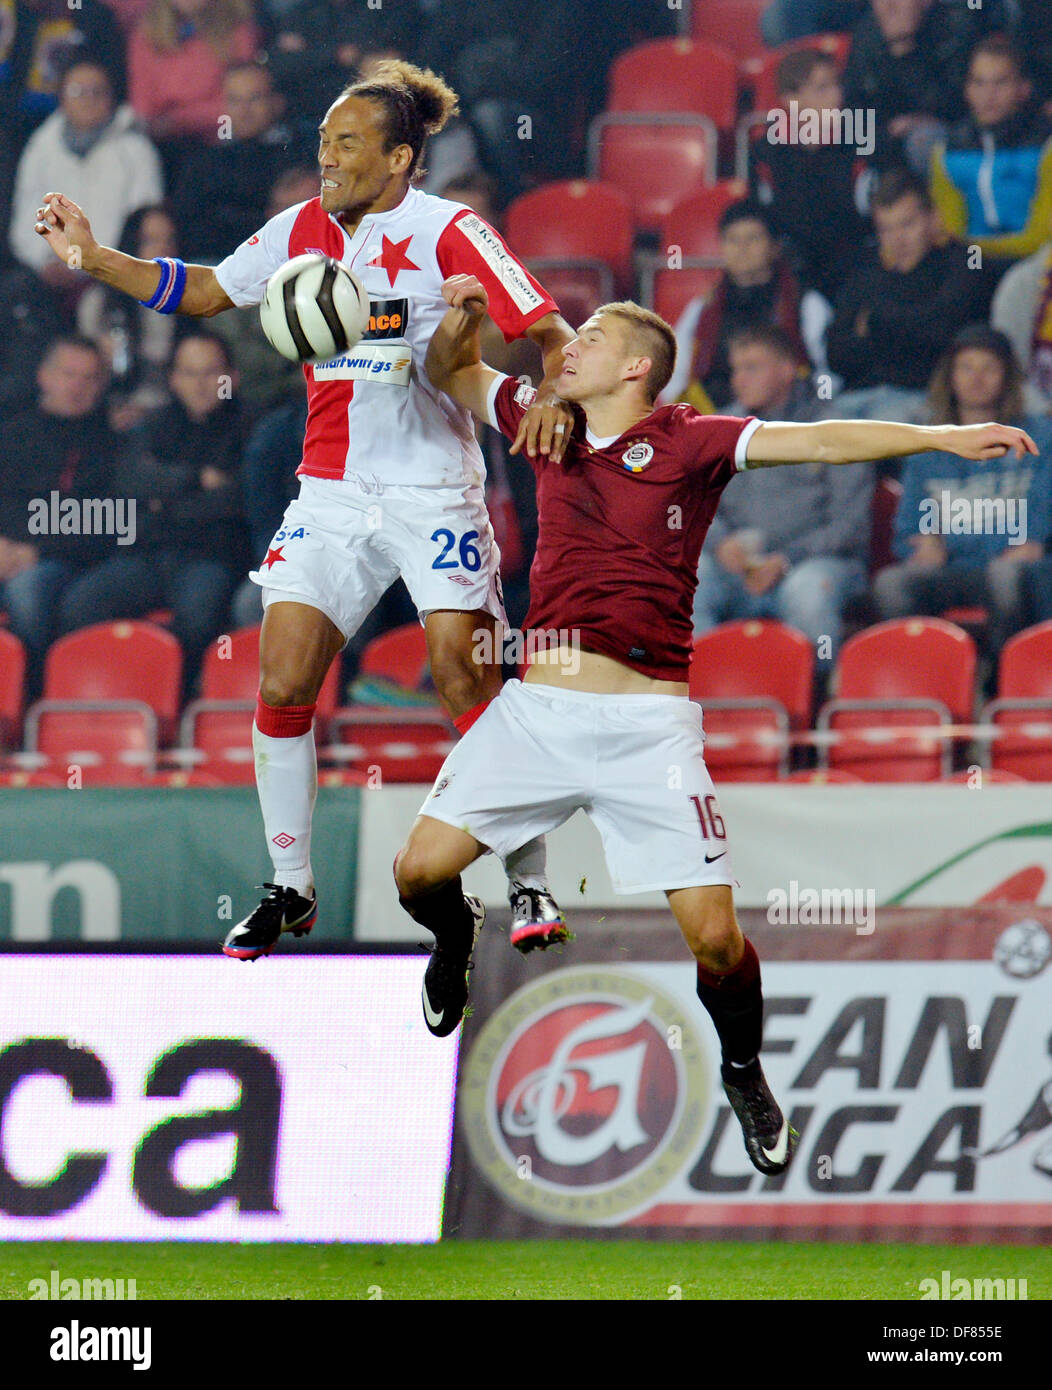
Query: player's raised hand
(545, 429)
(66, 230)
(989, 441)
(466, 292)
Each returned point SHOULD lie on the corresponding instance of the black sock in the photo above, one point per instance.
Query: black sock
(442, 910)
(735, 1004)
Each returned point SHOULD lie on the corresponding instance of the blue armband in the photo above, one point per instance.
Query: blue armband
(168, 295)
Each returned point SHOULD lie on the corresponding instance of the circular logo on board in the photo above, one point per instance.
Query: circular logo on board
(637, 456)
(585, 1095)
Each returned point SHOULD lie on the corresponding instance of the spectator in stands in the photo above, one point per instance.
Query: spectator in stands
(38, 41)
(267, 378)
(897, 312)
(991, 179)
(816, 194)
(756, 287)
(965, 532)
(58, 450)
(137, 343)
(1022, 310)
(784, 542)
(182, 465)
(92, 147)
(177, 57)
(221, 195)
(30, 320)
(907, 63)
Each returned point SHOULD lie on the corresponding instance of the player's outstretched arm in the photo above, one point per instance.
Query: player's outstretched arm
(855, 441)
(67, 231)
(454, 357)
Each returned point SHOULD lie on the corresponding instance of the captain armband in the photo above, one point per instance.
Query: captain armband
(168, 295)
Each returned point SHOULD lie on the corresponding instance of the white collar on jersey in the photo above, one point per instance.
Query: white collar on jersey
(598, 443)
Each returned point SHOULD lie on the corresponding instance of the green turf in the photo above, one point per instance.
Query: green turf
(542, 1269)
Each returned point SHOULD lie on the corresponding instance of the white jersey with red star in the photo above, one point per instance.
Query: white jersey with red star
(373, 416)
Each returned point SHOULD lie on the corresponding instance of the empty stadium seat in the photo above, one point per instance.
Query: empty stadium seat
(12, 679)
(912, 671)
(989, 774)
(733, 23)
(392, 745)
(824, 776)
(674, 289)
(677, 75)
(399, 655)
(576, 237)
(752, 677)
(690, 232)
(1023, 707)
(111, 696)
(629, 148)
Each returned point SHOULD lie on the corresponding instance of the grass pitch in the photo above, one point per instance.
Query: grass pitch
(538, 1269)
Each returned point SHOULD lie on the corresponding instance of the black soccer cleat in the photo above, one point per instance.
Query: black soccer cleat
(283, 909)
(770, 1139)
(445, 989)
(537, 921)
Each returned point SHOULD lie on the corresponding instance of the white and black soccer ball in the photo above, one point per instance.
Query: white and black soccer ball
(1023, 949)
(313, 309)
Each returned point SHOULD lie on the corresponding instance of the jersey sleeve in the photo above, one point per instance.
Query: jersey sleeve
(470, 246)
(717, 444)
(507, 402)
(243, 275)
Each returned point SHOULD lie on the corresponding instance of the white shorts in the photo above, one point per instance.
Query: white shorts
(634, 763)
(339, 548)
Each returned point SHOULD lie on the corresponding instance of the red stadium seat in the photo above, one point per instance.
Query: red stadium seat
(886, 497)
(12, 677)
(751, 677)
(733, 23)
(13, 779)
(1024, 702)
(912, 671)
(824, 776)
(627, 149)
(989, 774)
(117, 661)
(111, 695)
(577, 236)
(392, 745)
(761, 72)
(677, 75)
(113, 743)
(674, 289)
(399, 655)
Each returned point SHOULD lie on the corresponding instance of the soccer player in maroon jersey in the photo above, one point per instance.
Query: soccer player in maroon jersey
(392, 476)
(602, 715)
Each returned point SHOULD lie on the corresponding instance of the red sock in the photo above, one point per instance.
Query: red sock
(464, 721)
(283, 721)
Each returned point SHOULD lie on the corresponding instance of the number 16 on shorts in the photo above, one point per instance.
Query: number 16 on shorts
(711, 823)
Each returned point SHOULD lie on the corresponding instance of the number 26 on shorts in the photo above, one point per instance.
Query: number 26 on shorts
(469, 555)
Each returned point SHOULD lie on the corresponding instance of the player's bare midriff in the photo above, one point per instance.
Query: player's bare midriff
(601, 675)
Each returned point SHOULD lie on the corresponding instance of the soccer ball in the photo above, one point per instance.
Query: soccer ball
(313, 309)
(1023, 949)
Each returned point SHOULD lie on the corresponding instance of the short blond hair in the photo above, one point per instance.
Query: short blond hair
(652, 336)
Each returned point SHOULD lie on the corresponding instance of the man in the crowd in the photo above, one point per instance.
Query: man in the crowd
(756, 287)
(991, 179)
(784, 542)
(898, 311)
(92, 146)
(58, 451)
(182, 465)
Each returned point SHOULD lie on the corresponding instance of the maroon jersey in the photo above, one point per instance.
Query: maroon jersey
(621, 525)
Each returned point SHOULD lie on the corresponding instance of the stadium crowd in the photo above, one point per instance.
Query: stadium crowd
(911, 281)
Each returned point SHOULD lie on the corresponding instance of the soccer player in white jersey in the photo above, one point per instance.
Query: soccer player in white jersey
(392, 476)
(621, 524)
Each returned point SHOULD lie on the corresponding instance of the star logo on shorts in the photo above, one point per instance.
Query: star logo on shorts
(273, 556)
(393, 258)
